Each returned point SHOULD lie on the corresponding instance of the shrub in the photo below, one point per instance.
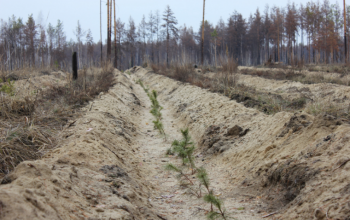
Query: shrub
(182, 73)
(8, 87)
(155, 68)
(229, 65)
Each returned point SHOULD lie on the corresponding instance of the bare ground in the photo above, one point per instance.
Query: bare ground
(172, 200)
(110, 162)
(110, 166)
(295, 163)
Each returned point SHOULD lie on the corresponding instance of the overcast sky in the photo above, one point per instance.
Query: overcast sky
(187, 12)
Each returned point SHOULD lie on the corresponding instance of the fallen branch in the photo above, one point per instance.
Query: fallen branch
(161, 217)
(91, 106)
(268, 215)
(113, 152)
(328, 211)
(342, 164)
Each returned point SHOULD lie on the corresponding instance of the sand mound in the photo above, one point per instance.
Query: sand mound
(92, 175)
(296, 163)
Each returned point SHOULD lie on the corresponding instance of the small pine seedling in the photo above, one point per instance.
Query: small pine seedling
(183, 150)
(203, 178)
(213, 200)
(172, 167)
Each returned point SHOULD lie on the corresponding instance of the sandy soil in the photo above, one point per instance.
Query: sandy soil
(93, 174)
(109, 166)
(170, 198)
(110, 162)
(325, 93)
(296, 164)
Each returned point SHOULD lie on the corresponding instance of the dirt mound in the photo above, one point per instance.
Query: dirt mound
(296, 164)
(217, 140)
(93, 174)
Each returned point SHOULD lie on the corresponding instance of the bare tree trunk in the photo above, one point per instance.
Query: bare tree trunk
(345, 47)
(216, 63)
(203, 33)
(115, 40)
(167, 47)
(101, 30)
(108, 28)
(278, 44)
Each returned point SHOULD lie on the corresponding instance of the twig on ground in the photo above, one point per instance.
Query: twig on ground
(329, 208)
(265, 216)
(161, 217)
(113, 152)
(342, 164)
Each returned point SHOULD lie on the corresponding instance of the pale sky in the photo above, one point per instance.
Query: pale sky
(187, 12)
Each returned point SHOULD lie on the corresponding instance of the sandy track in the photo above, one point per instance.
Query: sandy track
(295, 164)
(109, 165)
(170, 199)
(93, 174)
(110, 162)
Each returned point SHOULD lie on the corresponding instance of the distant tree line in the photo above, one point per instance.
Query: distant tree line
(310, 33)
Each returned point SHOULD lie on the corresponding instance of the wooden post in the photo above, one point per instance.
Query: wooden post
(75, 66)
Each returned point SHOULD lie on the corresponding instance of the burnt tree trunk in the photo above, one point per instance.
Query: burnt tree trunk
(75, 66)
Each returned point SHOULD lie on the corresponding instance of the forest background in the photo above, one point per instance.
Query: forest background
(306, 33)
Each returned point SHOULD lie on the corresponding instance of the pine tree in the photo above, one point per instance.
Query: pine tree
(170, 28)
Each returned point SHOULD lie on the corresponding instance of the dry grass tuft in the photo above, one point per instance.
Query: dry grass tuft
(30, 125)
(155, 68)
(183, 72)
(229, 65)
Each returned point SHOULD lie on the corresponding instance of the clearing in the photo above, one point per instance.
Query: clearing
(110, 161)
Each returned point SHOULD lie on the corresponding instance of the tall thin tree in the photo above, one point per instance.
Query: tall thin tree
(345, 47)
(108, 30)
(203, 33)
(170, 28)
(101, 29)
(115, 39)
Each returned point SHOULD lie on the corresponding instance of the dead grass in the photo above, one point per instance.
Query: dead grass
(226, 83)
(298, 76)
(183, 73)
(321, 107)
(30, 125)
(343, 69)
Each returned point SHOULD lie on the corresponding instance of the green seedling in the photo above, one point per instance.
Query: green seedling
(184, 149)
(214, 201)
(8, 87)
(181, 174)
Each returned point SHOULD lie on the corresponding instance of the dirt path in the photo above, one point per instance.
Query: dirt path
(171, 201)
